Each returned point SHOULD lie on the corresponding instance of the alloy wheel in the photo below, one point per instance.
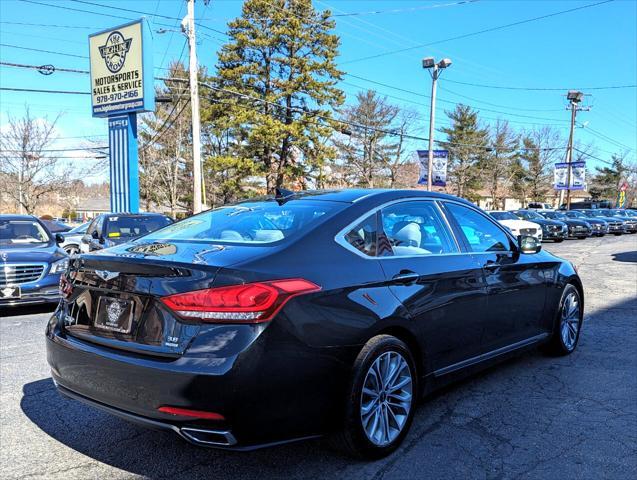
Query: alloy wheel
(570, 321)
(386, 400)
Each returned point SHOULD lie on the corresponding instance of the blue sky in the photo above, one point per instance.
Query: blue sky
(587, 49)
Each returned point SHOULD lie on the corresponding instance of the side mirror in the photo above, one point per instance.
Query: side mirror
(528, 244)
(85, 239)
(95, 235)
(59, 238)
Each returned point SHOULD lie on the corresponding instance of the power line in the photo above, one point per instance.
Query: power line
(479, 32)
(47, 25)
(551, 89)
(34, 90)
(47, 69)
(42, 51)
(402, 10)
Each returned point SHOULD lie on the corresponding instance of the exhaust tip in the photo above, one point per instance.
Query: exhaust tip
(208, 437)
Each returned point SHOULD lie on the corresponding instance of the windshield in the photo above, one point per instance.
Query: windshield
(619, 213)
(596, 213)
(575, 214)
(80, 228)
(503, 216)
(134, 226)
(527, 214)
(22, 232)
(554, 215)
(249, 222)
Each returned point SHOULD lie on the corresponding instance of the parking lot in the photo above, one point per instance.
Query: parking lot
(531, 417)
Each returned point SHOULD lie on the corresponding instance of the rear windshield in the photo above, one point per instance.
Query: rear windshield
(22, 232)
(249, 222)
(134, 226)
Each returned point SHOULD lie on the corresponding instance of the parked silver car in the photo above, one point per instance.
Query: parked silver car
(73, 239)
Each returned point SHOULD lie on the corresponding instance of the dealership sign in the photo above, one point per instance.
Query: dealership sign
(440, 158)
(121, 70)
(578, 176)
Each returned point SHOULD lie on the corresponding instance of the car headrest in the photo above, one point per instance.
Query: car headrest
(408, 235)
(268, 235)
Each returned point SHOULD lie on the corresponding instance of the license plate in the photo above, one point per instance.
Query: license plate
(10, 292)
(114, 314)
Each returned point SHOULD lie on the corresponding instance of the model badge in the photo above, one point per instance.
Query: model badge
(114, 51)
(114, 311)
(106, 275)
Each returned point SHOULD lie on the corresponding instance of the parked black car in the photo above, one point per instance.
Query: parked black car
(110, 229)
(615, 225)
(551, 229)
(306, 314)
(30, 261)
(599, 226)
(579, 229)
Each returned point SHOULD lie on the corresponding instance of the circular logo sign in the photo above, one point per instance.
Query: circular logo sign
(114, 51)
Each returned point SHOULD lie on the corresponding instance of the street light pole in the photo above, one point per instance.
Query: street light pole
(432, 122)
(436, 69)
(574, 97)
(189, 23)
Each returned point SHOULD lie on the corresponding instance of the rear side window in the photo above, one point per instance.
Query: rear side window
(480, 233)
(250, 222)
(363, 237)
(414, 228)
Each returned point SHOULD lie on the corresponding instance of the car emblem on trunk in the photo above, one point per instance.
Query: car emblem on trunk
(114, 311)
(106, 275)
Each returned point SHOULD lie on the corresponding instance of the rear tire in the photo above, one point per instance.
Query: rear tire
(558, 240)
(381, 399)
(568, 323)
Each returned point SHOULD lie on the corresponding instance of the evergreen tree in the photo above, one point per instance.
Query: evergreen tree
(607, 179)
(467, 144)
(281, 59)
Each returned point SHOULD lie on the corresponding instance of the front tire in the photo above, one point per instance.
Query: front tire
(381, 399)
(558, 240)
(568, 323)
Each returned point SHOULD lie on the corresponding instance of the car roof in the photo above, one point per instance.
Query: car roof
(353, 195)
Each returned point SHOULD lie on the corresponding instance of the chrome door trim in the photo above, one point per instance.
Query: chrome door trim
(489, 355)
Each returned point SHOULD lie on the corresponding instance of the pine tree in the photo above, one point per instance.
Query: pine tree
(281, 59)
(467, 144)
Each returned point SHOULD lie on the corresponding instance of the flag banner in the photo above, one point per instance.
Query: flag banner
(578, 175)
(560, 176)
(440, 159)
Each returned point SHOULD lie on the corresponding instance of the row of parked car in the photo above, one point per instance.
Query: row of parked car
(34, 252)
(558, 225)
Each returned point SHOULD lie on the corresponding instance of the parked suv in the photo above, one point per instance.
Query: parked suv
(551, 229)
(599, 226)
(110, 229)
(30, 261)
(517, 226)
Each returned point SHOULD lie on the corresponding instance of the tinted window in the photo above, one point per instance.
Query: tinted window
(481, 234)
(503, 215)
(413, 228)
(127, 226)
(250, 222)
(22, 232)
(363, 236)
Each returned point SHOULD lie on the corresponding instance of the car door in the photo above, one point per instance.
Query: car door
(441, 287)
(515, 282)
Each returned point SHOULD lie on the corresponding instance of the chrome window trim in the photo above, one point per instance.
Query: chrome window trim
(340, 236)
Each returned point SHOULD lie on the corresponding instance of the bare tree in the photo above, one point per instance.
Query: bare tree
(29, 172)
(497, 167)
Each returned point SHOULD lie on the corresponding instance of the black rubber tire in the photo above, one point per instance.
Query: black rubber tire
(556, 346)
(582, 238)
(352, 439)
(617, 234)
(558, 240)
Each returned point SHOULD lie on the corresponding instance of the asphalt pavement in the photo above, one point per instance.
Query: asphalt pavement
(533, 417)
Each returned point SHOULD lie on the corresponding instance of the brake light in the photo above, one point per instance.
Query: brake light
(186, 412)
(246, 303)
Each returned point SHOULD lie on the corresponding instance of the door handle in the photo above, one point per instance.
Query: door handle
(405, 278)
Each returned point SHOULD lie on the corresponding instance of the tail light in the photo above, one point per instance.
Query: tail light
(246, 303)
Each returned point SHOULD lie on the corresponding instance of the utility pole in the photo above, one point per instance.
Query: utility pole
(574, 97)
(436, 70)
(188, 24)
